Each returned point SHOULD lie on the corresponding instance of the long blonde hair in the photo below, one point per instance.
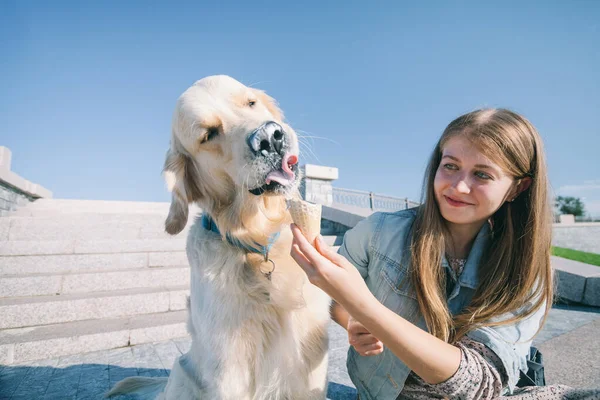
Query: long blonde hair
(515, 269)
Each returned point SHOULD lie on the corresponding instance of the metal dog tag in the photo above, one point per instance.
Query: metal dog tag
(268, 274)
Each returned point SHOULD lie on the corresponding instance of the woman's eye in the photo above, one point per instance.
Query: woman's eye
(211, 133)
(251, 103)
(451, 167)
(482, 175)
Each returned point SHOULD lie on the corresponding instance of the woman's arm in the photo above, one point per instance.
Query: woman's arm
(480, 376)
(339, 314)
(429, 357)
(359, 337)
(432, 359)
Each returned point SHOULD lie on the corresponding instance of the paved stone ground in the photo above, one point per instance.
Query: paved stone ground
(569, 342)
(580, 236)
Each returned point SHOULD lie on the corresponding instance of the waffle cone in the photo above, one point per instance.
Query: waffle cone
(307, 216)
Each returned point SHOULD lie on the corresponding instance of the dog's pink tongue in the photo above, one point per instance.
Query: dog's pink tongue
(282, 177)
(285, 176)
(288, 160)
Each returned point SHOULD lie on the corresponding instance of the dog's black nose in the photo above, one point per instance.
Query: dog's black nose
(269, 138)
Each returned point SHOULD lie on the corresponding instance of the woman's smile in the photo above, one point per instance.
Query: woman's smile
(457, 203)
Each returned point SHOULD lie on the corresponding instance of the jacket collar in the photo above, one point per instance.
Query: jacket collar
(471, 272)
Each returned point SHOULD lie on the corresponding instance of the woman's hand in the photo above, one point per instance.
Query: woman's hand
(362, 340)
(330, 271)
(429, 357)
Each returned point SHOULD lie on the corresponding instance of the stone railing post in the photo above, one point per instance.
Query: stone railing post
(5, 158)
(14, 190)
(316, 183)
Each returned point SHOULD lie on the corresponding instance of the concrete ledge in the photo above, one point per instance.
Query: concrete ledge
(345, 215)
(14, 180)
(25, 186)
(575, 225)
(320, 172)
(577, 282)
(591, 296)
(570, 286)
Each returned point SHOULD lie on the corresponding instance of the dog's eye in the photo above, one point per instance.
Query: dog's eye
(251, 103)
(211, 133)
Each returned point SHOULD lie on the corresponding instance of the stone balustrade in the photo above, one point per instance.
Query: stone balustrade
(16, 191)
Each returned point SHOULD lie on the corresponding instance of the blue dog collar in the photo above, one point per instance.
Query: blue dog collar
(209, 224)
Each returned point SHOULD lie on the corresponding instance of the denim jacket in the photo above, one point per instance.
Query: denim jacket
(378, 246)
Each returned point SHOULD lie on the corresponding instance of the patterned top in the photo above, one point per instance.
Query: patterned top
(481, 375)
(457, 264)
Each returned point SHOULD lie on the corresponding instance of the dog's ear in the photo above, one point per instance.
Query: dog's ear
(270, 103)
(182, 181)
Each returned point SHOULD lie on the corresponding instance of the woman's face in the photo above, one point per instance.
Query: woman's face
(468, 186)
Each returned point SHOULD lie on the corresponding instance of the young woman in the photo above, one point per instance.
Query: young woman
(443, 301)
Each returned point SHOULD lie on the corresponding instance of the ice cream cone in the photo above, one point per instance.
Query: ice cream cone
(307, 216)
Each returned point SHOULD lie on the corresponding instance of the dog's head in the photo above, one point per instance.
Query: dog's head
(229, 149)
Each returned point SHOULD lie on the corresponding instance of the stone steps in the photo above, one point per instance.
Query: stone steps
(97, 281)
(51, 341)
(79, 276)
(49, 207)
(19, 312)
(84, 227)
(68, 263)
(76, 246)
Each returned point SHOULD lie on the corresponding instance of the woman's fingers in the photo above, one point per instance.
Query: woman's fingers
(372, 352)
(305, 247)
(298, 256)
(355, 327)
(328, 252)
(369, 350)
(363, 339)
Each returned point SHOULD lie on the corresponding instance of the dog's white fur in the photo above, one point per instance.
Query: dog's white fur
(252, 338)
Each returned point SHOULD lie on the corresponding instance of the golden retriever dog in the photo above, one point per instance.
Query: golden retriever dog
(258, 327)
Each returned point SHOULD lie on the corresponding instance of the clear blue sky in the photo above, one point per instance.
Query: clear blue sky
(88, 91)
